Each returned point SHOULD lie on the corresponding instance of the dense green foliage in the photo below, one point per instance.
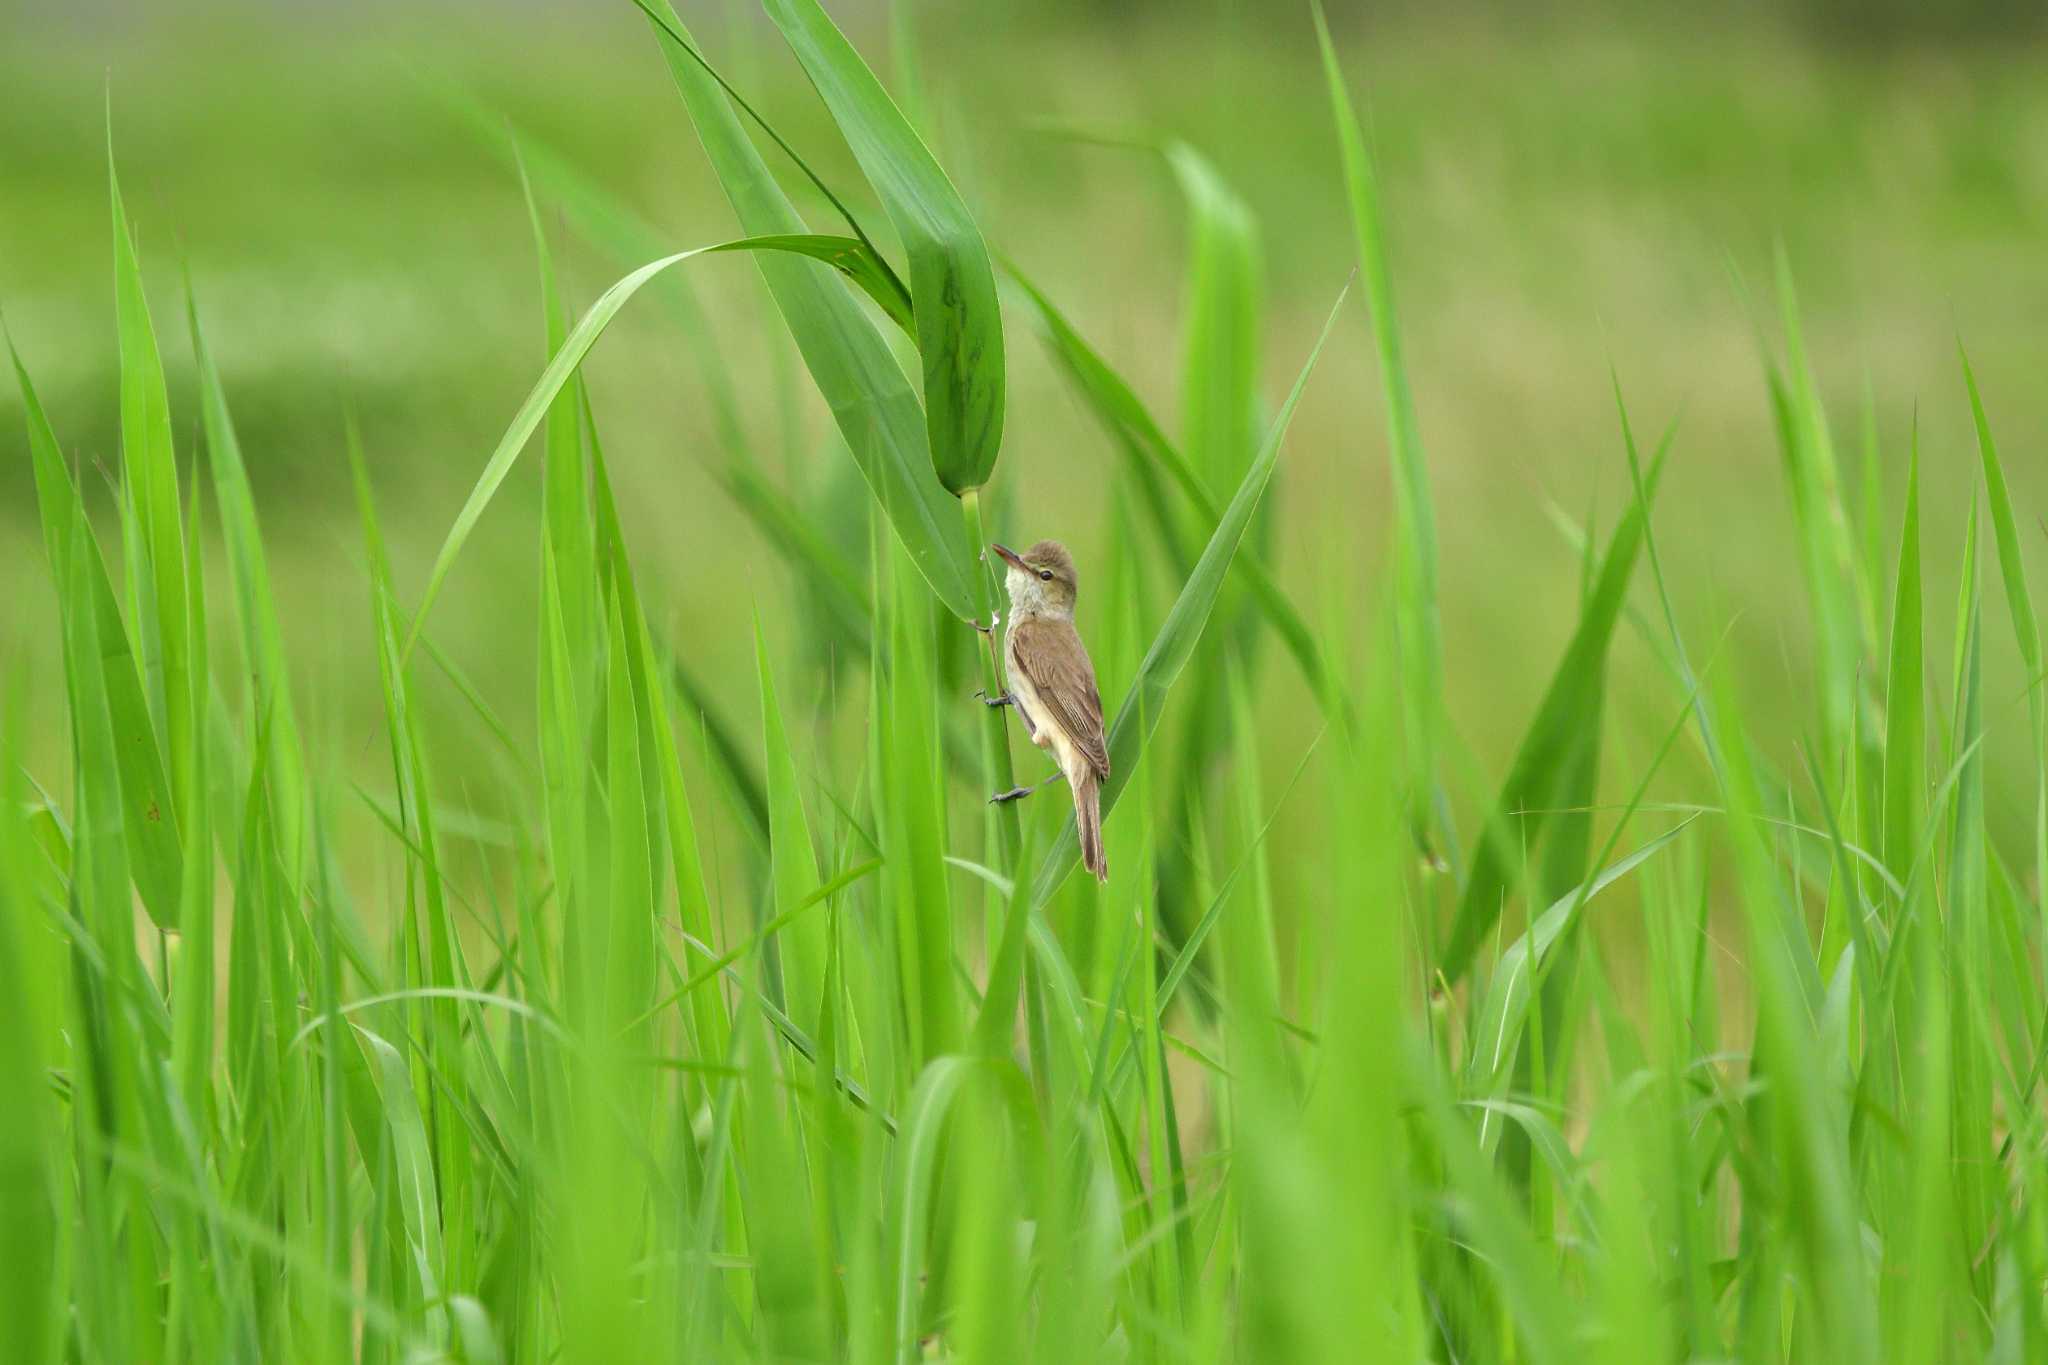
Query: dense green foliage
(566, 1084)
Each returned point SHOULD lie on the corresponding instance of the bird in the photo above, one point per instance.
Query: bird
(1052, 685)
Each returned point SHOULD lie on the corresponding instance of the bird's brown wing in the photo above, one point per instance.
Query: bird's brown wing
(1052, 656)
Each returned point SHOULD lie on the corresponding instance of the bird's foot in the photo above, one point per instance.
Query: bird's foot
(1016, 792)
(986, 700)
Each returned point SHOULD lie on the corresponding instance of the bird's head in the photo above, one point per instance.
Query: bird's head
(1041, 579)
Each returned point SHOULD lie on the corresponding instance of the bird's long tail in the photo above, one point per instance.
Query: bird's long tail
(1088, 820)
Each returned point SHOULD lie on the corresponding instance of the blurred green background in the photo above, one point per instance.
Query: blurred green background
(1566, 188)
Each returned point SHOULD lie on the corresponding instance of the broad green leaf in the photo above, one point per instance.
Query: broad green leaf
(871, 400)
(959, 325)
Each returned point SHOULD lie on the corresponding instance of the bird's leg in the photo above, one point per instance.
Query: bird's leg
(1017, 793)
(988, 633)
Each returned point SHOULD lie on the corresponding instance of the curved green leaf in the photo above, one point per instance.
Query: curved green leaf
(959, 324)
(856, 260)
(1499, 1030)
(565, 363)
(914, 1194)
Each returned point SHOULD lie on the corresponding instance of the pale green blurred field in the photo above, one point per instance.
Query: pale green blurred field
(360, 1023)
(1559, 194)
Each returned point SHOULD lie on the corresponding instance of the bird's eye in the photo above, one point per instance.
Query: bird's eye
(1046, 574)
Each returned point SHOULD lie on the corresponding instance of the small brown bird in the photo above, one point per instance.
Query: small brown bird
(1052, 685)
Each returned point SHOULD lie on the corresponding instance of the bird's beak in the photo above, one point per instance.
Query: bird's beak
(1011, 555)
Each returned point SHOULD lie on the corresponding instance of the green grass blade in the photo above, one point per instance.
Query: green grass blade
(1175, 643)
(1219, 360)
(1803, 1128)
(150, 474)
(911, 810)
(2019, 602)
(1123, 414)
(1421, 639)
(33, 1294)
(792, 857)
(193, 986)
(1539, 767)
(1905, 742)
(1498, 1029)
(144, 790)
(1844, 622)
(1976, 1188)
(269, 700)
(414, 1164)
